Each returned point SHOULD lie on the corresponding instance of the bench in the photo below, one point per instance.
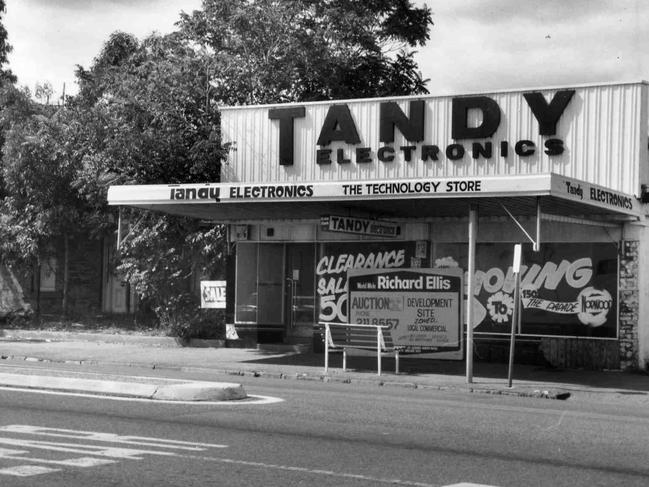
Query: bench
(361, 337)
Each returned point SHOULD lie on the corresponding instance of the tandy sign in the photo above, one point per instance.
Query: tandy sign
(525, 132)
(339, 126)
(360, 226)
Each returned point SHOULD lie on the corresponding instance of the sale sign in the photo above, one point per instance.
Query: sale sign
(213, 294)
(420, 309)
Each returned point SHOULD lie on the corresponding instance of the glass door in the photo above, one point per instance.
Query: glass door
(300, 286)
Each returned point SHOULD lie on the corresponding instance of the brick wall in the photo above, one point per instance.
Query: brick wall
(629, 306)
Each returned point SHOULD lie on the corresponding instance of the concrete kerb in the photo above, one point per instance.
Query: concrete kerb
(155, 389)
(190, 394)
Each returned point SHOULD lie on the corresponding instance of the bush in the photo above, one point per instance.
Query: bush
(183, 317)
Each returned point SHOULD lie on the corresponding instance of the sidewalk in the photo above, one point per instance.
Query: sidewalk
(18, 347)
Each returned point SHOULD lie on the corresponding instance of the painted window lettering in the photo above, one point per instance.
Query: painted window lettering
(332, 280)
(591, 306)
(576, 274)
(594, 305)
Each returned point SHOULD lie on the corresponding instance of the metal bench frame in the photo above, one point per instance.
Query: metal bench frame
(380, 346)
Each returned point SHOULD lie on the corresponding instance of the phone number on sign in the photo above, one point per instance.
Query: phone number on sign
(390, 323)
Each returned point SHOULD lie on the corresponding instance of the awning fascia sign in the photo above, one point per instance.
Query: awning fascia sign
(529, 185)
(549, 184)
(595, 195)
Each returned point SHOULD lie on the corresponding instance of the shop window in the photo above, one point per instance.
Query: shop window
(567, 289)
(271, 283)
(246, 284)
(260, 283)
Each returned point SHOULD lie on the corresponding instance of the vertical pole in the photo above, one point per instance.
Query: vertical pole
(537, 243)
(515, 325)
(378, 349)
(326, 348)
(516, 269)
(473, 230)
(119, 227)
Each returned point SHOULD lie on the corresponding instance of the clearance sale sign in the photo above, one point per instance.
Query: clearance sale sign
(420, 309)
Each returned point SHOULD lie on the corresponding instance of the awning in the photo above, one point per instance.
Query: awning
(406, 198)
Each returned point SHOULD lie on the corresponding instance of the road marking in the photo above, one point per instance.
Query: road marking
(468, 484)
(330, 473)
(26, 470)
(253, 399)
(109, 437)
(92, 444)
(89, 444)
(83, 462)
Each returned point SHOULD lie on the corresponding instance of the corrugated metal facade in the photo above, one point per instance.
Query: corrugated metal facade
(603, 129)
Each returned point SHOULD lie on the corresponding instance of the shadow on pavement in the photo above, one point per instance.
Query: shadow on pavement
(632, 383)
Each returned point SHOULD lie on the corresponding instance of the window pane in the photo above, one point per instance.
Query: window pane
(271, 283)
(246, 293)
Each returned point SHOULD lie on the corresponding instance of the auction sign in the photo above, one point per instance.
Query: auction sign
(421, 309)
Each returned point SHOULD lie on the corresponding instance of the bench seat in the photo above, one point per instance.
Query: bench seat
(346, 336)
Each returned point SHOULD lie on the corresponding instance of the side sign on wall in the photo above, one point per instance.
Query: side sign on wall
(213, 294)
(421, 309)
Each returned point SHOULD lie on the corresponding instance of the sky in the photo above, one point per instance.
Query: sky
(475, 45)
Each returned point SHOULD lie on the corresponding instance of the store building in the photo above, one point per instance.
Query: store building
(311, 190)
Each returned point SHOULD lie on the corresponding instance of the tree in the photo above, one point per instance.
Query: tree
(298, 50)
(147, 113)
(44, 92)
(145, 118)
(153, 107)
(41, 206)
(6, 76)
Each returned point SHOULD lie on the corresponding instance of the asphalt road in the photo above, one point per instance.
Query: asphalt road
(321, 434)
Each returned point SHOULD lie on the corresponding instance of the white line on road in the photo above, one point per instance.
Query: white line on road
(82, 462)
(86, 444)
(108, 437)
(329, 473)
(26, 470)
(112, 453)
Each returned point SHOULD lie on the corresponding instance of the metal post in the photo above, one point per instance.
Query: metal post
(473, 230)
(326, 348)
(537, 242)
(119, 227)
(515, 324)
(378, 349)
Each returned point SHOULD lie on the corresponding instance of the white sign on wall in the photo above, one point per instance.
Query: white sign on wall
(213, 294)
(420, 309)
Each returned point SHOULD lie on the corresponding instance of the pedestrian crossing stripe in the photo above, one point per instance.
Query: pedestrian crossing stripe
(27, 470)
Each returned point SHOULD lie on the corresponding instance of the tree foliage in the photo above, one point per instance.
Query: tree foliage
(269, 51)
(146, 113)
(150, 120)
(6, 76)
